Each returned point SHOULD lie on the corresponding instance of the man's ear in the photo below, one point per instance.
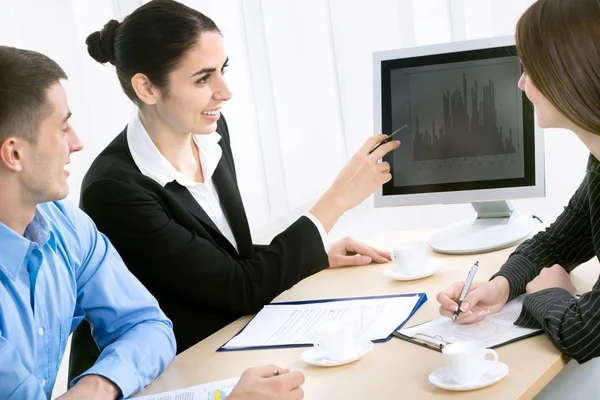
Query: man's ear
(144, 89)
(11, 153)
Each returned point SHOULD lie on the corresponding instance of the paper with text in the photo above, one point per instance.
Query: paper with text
(292, 324)
(218, 390)
(494, 330)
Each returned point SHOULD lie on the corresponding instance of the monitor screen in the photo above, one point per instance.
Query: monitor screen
(469, 125)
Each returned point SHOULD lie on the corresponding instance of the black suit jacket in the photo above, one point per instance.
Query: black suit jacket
(168, 241)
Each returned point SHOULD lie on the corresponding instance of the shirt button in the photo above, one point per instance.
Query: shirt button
(41, 331)
(43, 383)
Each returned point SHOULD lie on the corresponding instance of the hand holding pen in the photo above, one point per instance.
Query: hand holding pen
(363, 175)
(469, 302)
(392, 136)
(465, 290)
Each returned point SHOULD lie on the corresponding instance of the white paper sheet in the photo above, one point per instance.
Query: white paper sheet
(277, 325)
(494, 330)
(218, 390)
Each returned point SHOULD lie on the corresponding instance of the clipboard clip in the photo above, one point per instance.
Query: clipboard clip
(426, 340)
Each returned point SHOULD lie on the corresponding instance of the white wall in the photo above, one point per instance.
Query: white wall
(301, 75)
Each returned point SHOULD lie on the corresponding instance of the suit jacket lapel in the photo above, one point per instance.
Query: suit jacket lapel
(187, 200)
(231, 201)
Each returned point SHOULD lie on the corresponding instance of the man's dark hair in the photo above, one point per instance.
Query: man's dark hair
(25, 77)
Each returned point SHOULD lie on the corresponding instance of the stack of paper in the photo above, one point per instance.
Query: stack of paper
(291, 324)
(209, 391)
(495, 330)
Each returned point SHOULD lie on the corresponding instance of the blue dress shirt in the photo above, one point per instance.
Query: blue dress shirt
(61, 271)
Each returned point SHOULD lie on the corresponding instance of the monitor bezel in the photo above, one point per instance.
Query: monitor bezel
(492, 190)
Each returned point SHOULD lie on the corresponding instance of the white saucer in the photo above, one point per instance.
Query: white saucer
(496, 371)
(311, 356)
(431, 268)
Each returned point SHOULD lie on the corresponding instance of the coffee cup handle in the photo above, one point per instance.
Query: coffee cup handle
(491, 352)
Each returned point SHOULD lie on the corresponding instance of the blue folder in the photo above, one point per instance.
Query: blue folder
(419, 303)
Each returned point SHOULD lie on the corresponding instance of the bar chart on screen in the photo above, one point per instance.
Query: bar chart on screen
(469, 127)
(463, 122)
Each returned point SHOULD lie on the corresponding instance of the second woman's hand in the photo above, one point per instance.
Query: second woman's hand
(362, 176)
(483, 299)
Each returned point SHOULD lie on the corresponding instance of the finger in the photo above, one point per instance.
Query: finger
(363, 249)
(463, 318)
(384, 149)
(370, 143)
(475, 295)
(476, 314)
(385, 254)
(347, 261)
(267, 371)
(291, 380)
(379, 258)
(444, 312)
(283, 370)
(385, 178)
(296, 394)
(546, 271)
(383, 167)
(447, 297)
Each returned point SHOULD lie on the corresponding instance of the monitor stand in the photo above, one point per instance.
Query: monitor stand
(496, 227)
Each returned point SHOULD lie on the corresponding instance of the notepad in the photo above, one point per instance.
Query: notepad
(494, 331)
(291, 324)
(218, 390)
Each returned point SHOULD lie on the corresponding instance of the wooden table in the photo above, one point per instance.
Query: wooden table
(396, 369)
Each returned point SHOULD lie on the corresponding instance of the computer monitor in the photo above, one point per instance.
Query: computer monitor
(471, 137)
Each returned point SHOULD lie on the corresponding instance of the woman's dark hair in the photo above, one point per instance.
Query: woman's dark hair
(152, 40)
(557, 41)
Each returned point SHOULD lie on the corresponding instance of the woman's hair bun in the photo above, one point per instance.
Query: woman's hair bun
(101, 44)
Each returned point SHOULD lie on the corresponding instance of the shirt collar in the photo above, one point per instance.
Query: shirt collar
(14, 248)
(153, 164)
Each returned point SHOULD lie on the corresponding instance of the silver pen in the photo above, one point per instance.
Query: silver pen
(466, 289)
(389, 138)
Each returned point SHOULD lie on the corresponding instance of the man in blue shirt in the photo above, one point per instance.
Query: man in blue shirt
(57, 269)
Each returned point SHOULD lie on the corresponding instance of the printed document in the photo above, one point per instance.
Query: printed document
(494, 330)
(218, 390)
(292, 324)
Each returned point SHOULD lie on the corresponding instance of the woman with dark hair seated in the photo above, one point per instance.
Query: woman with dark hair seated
(165, 190)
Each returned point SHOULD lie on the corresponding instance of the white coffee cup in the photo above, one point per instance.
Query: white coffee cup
(466, 361)
(335, 340)
(409, 258)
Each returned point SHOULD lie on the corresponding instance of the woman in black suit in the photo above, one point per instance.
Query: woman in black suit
(168, 199)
